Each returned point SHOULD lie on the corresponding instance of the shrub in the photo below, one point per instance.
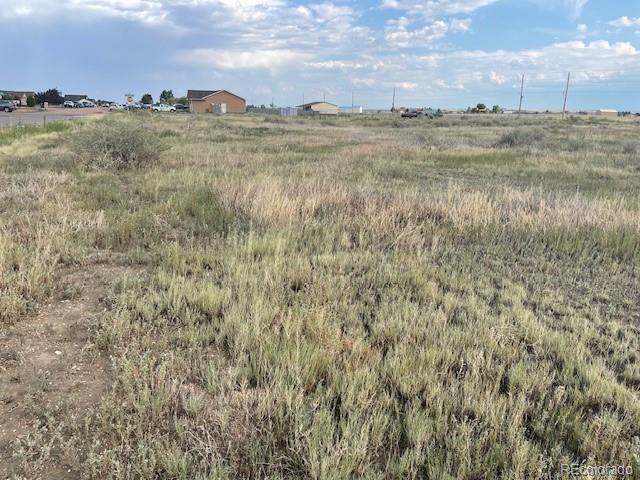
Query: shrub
(521, 138)
(116, 144)
(630, 148)
(31, 101)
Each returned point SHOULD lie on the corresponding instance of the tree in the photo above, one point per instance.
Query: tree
(52, 96)
(166, 96)
(481, 107)
(147, 99)
(496, 109)
(182, 100)
(31, 102)
(6, 97)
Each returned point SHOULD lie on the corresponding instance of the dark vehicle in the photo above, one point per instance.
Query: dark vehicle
(179, 107)
(409, 114)
(7, 106)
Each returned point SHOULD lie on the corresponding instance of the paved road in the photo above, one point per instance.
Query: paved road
(39, 118)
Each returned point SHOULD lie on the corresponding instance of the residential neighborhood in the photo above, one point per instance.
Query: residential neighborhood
(222, 101)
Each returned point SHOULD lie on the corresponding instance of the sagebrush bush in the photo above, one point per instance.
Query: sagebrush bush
(521, 138)
(116, 144)
(630, 148)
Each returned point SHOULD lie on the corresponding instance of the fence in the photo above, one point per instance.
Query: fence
(282, 112)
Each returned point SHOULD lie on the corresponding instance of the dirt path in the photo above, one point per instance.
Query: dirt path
(48, 360)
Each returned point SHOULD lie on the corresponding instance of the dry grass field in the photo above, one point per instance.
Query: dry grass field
(200, 297)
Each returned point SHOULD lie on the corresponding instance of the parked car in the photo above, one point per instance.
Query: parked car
(117, 107)
(179, 107)
(7, 106)
(68, 104)
(161, 107)
(409, 114)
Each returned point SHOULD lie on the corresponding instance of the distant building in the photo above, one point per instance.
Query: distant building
(215, 101)
(320, 108)
(607, 112)
(20, 97)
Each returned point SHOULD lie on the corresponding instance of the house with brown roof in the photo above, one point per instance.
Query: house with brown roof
(215, 101)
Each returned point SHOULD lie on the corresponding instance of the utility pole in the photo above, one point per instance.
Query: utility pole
(324, 98)
(352, 101)
(521, 95)
(393, 102)
(566, 93)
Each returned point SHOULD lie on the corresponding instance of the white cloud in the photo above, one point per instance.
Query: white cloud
(582, 30)
(625, 21)
(272, 60)
(406, 85)
(329, 11)
(335, 65)
(398, 35)
(363, 82)
(432, 8)
(497, 78)
(142, 11)
(475, 71)
(575, 7)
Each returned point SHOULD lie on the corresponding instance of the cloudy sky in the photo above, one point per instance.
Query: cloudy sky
(441, 53)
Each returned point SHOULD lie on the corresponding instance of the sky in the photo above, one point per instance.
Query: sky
(438, 53)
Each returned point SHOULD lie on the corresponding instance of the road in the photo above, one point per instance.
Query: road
(51, 115)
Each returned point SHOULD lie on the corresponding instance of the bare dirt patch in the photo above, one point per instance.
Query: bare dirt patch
(48, 359)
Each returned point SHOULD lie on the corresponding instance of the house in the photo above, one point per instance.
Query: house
(319, 108)
(606, 112)
(74, 98)
(215, 101)
(20, 97)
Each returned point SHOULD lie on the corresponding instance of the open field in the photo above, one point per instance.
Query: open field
(366, 297)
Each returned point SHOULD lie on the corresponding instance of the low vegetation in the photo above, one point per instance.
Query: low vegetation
(452, 298)
(116, 144)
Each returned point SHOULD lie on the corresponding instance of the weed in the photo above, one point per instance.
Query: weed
(531, 137)
(116, 144)
(379, 301)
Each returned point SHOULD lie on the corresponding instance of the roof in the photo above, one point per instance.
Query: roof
(199, 94)
(74, 98)
(306, 105)
(202, 94)
(16, 93)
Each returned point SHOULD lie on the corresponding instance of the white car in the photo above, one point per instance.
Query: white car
(161, 107)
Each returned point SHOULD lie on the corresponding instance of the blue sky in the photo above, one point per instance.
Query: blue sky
(440, 53)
